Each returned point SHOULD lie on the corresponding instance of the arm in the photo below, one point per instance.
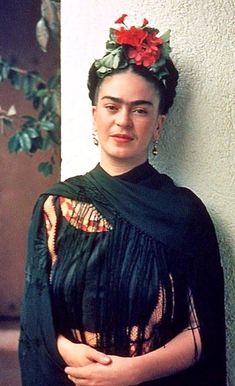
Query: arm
(175, 356)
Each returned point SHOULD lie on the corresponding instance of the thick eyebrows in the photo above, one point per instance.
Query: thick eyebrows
(133, 103)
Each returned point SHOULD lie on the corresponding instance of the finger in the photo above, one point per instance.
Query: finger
(78, 372)
(74, 380)
(73, 372)
(96, 356)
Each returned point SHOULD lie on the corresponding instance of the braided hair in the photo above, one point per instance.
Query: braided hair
(166, 88)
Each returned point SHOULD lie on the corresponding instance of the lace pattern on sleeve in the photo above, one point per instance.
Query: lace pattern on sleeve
(81, 215)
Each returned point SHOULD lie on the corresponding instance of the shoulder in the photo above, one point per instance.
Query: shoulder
(200, 231)
(48, 199)
(184, 200)
(68, 188)
(200, 234)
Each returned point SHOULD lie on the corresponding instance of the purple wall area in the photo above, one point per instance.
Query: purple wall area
(20, 182)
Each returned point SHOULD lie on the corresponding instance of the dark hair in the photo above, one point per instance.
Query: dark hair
(166, 88)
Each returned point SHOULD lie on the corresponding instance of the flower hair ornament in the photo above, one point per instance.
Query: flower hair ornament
(135, 45)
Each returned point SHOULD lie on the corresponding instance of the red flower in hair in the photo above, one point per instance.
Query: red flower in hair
(153, 41)
(121, 19)
(139, 45)
(132, 37)
(145, 22)
(144, 55)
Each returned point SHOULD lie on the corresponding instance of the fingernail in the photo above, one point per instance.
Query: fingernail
(106, 359)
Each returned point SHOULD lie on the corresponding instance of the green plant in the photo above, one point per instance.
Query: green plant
(40, 132)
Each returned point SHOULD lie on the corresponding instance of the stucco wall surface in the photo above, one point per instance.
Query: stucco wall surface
(197, 147)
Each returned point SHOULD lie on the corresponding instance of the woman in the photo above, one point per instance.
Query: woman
(123, 281)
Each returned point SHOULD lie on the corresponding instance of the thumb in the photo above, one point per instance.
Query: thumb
(99, 357)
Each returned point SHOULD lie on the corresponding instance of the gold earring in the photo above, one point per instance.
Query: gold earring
(154, 149)
(95, 139)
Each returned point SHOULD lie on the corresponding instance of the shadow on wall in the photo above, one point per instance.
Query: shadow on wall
(172, 146)
(228, 258)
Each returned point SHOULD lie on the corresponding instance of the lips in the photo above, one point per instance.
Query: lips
(122, 137)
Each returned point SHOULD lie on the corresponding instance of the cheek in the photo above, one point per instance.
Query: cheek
(97, 120)
(148, 130)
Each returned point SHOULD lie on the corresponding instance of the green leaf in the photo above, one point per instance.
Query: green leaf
(29, 118)
(158, 64)
(45, 143)
(15, 79)
(112, 36)
(29, 83)
(30, 95)
(107, 60)
(14, 144)
(116, 60)
(25, 84)
(166, 36)
(36, 102)
(111, 45)
(46, 168)
(42, 92)
(165, 50)
(47, 125)
(48, 102)
(32, 132)
(5, 71)
(25, 141)
(53, 82)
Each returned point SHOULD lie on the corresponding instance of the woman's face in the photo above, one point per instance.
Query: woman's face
(126, 119)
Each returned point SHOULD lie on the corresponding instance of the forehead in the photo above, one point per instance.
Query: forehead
(129, 87)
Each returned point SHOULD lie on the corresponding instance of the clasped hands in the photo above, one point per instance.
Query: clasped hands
(89, 367)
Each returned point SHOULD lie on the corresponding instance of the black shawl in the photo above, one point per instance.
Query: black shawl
(148, 213)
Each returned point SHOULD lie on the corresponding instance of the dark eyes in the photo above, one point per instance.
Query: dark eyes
(140, 111)
(111, 107)
(135, 110)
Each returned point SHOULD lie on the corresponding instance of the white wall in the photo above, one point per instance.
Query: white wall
(198, 144)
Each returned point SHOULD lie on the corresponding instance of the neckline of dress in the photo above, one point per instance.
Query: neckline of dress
(134, 175)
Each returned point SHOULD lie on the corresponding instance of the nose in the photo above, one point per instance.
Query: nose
(123, 118)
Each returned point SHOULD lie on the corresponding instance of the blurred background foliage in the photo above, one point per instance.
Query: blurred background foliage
(40, 132)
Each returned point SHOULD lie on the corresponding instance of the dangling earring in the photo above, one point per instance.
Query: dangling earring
(95, 139)
(154, 149)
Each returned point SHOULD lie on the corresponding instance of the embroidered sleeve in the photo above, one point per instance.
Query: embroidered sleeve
(81, 215)
(50, 219)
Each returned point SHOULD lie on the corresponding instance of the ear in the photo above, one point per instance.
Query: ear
(161, 119)
(93, 114)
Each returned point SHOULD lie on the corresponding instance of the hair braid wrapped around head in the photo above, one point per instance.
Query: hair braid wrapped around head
(170, 85)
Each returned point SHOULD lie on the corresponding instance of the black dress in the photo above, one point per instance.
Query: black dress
(123, 264)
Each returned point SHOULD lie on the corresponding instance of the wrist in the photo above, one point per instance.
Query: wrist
(64, 347)
(139, 374)
(135, 376)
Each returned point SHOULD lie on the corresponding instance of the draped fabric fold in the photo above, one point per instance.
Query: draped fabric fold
(131, 283)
